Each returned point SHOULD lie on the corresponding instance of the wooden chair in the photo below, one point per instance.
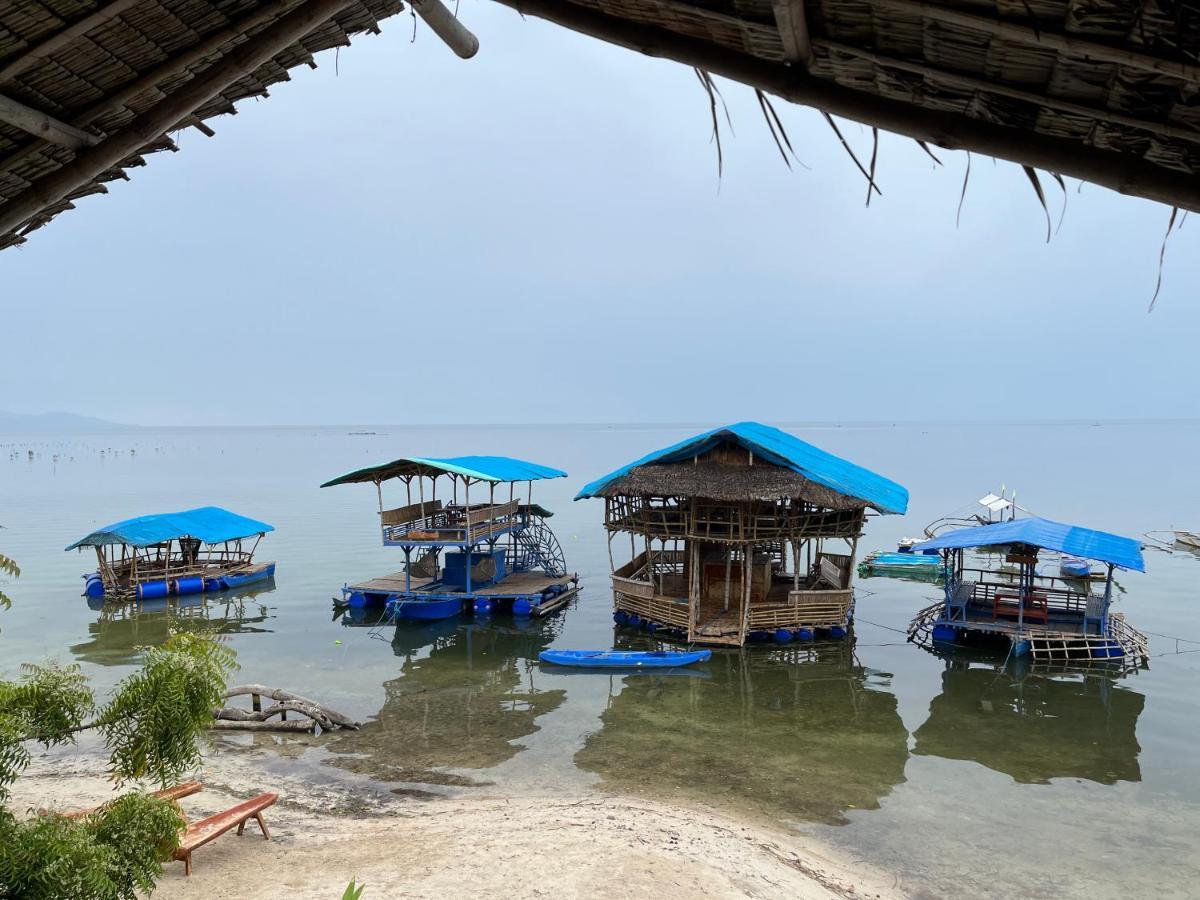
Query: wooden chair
(200, 833)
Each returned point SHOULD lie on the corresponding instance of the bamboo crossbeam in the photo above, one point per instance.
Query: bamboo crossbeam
(446, 25)
(149, 126)
(1040, 37)
(36, 54)
(43, 125)
(793, 31)
(1125, 173)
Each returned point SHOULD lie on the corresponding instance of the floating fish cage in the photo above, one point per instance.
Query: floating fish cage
(175, 555)
(1047, 618)
(464, 557)
(712, 561)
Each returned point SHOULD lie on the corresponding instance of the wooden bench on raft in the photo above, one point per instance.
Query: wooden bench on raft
(200, 833)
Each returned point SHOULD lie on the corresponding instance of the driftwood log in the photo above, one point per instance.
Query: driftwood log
(258, 718)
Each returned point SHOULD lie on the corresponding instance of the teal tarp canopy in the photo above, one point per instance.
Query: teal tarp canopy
(211, 524)
(1036, 532)
(481, 468)
(783, 450)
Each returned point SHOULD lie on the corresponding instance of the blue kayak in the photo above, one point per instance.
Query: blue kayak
(624, 659)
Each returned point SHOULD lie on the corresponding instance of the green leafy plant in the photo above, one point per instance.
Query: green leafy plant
(9, 568)
(152, 727)
(353, 890)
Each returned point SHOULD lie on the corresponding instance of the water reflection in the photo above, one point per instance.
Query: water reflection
(800, 733)
(117, 636)
(464, 699)
(1034, 723)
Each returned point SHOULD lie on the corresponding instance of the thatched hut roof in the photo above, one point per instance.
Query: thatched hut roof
(1105, 90)
(726, 483)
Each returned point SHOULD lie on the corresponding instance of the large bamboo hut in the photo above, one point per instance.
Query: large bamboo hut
(739, 532)
(1103, 91)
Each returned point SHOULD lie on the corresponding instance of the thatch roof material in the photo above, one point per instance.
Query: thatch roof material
(1104, 90)
(727, 483)
(125, 73)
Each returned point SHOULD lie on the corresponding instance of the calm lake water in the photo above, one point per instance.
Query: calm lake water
(964, 779)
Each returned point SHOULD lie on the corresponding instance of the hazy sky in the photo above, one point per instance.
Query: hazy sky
(538, 234)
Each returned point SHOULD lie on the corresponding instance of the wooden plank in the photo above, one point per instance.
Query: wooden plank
(43, 125)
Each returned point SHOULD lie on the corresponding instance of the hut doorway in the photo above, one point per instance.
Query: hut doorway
(721, 600)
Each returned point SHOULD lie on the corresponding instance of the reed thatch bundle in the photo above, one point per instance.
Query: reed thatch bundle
(727, 483)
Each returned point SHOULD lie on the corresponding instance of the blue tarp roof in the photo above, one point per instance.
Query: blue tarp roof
(784, 450)
(1070, 539)
(484, 468)
(210, 524)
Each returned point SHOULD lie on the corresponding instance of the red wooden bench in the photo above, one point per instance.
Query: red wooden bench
(172, 793)
(200, 833)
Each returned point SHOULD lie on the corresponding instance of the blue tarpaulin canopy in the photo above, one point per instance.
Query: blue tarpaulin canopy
(481, 468)
(211, 524)
(781, 449)
(1070, 539)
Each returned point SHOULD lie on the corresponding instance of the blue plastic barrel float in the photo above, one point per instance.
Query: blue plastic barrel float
(153, 590)
(804, 634)
(483, 606)
(191, 585)
(212, 583)
(522, 607)
(93, 585)
(945, 633)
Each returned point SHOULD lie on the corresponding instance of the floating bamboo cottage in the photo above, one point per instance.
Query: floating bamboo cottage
(459, 555)
(1050, 618)
(175, 554)
(737, 533)
(1102, 91)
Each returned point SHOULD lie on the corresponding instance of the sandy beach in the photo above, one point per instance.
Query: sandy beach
(323, 835)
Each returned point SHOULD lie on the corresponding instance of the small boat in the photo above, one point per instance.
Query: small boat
(1188, 539)
(1074, 567)
(907, 564)
(624, 659)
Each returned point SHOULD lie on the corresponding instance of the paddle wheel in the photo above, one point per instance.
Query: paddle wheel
(538, 548)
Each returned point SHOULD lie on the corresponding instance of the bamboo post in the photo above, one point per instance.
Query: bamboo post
(445, 25)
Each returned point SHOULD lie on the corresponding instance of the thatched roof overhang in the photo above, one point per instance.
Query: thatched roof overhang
(1102, 90)
(747, 445)
(89, 88)
(726, 484)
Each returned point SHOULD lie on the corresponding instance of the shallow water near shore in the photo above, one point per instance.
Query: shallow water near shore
(963, 778)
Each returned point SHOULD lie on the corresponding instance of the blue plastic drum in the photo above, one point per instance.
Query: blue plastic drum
(153, 590)
(192, 585)
(93, 585)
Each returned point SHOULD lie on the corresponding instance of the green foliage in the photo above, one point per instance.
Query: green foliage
(9, 568)
(110, 855)
(353, 890)
(47, 704)
(155, 721)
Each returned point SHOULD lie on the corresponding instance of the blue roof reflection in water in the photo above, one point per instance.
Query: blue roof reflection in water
(784, 450)
(211, 524)
(482, 468)
(1037, 532)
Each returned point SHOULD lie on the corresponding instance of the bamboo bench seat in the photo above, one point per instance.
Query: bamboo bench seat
(200, 833)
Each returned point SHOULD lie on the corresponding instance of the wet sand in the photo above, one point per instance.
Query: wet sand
(420, 845)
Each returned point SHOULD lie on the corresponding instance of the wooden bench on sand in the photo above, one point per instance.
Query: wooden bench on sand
(200, 833)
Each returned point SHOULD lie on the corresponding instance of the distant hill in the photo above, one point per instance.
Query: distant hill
(56, 423)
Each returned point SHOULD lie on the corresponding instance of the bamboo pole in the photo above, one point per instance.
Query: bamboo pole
(149, 126)
(43, 125)
(446, 25)
(1125, 173)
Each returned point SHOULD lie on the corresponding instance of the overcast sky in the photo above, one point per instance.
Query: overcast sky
(538, 234)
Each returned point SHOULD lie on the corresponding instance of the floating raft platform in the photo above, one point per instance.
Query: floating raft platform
(901, 565)
(425, 599)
